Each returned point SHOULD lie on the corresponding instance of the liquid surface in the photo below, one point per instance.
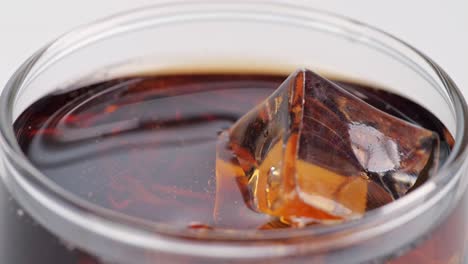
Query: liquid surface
(146, 146)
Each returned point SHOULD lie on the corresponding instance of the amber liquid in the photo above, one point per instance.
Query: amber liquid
(145, 146)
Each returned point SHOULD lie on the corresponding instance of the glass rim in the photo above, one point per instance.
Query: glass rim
(119, 227)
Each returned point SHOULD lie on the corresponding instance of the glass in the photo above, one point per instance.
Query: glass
(42, 223)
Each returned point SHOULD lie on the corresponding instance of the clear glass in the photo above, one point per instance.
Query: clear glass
(256, 36)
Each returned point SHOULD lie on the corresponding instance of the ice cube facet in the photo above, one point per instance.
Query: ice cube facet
(312, 150)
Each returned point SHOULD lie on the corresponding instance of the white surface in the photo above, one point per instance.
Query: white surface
(438, 28)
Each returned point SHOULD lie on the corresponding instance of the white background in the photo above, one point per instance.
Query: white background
(439, 28)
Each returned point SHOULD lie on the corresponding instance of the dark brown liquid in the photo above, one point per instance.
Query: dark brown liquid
(146, 146)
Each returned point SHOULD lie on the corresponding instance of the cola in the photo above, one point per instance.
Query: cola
(144, 145)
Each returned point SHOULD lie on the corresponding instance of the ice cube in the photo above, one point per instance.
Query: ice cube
(313, 152)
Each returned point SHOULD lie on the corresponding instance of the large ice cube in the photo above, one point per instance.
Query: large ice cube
(313, 152)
